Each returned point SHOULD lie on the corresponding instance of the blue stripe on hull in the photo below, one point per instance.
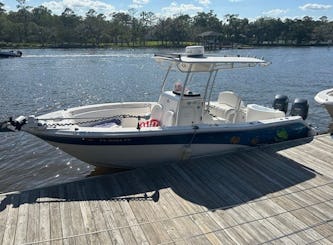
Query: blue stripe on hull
(255, 137)
(247, 137)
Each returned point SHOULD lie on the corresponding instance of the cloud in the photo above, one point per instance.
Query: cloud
(204, 2)
(176, 9)
(315, 6)
(138, 3)
(276, 12)
(142, 2)
(80, 7)
(235, 1)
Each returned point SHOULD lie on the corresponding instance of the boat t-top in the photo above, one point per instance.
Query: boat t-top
(184, 123)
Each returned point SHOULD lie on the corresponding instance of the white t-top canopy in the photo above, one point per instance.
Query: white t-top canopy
(201, 63)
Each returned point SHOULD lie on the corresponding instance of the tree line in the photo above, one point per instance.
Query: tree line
(39, 26)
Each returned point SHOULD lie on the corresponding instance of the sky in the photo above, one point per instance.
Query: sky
(251, 9)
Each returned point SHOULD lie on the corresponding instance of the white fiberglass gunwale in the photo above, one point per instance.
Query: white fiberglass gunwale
(95, 132)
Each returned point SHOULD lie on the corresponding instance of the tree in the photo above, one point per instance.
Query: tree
(3, 19)
(121, 27)
(145, 23)
(230, 27)
(2, 10)
(180, 30)
(300, 32)
(23, 16)
(323, 31)
(135, 26)
(268, 30)
(94, 26)
(39, 25)
(206, 22)
(161, 30)
(44, 21)
(69, 21)
(323, 19)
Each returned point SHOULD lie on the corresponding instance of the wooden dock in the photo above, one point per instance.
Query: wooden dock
(272, 194)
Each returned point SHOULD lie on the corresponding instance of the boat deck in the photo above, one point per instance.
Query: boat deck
(270, 195)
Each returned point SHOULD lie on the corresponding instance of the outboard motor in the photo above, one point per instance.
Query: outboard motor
(281, 103)
(300, 107)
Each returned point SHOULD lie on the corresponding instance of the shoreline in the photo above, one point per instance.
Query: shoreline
(118, 46)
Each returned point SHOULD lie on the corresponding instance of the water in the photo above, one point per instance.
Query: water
(47, 80)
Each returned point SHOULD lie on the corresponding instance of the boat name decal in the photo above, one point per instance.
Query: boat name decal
(106, 139)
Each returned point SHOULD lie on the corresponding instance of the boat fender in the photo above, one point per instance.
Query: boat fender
(149, 123)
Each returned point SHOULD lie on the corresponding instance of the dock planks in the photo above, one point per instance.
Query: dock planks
(275, 194)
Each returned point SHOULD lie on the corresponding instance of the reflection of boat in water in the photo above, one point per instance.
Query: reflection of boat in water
(325, 98)
(10, 54)
(183, 123)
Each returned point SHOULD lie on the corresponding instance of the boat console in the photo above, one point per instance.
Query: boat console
(187, 109)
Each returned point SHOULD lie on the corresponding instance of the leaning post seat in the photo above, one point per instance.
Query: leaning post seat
(229, 100)
(227, 105)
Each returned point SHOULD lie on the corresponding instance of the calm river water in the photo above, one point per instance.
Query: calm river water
(51, 79)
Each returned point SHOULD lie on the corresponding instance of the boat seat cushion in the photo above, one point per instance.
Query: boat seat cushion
(155, 117)
(156, 112)
(227, 105)
(229, 99)
(168, 119)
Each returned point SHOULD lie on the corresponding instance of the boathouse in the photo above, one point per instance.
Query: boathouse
(211, 40)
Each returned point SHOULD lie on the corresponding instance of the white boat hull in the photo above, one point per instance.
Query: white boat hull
(325, 98)
(141, 155)
(153, 146)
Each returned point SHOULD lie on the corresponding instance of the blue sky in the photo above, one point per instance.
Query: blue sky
(251, 9)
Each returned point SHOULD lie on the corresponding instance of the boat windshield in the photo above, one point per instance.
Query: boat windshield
(193, 82)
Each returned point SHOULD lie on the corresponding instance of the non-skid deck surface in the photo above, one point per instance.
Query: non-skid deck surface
(269, 195)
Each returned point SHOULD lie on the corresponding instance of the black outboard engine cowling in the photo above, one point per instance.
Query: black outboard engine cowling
(300, 107)
(281, 102)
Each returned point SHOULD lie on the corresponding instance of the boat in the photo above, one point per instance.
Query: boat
(325, 98)
(184, 123)
(10, 54)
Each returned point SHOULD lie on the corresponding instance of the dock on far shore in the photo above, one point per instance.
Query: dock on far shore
(281, 193)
